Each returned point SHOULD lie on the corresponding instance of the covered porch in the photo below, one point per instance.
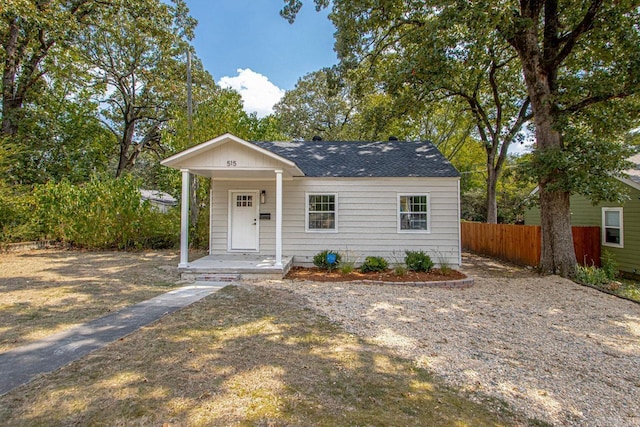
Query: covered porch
(231, 162)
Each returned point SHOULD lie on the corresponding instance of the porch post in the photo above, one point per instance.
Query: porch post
(278, 218)
(210, 216)
(184, 220)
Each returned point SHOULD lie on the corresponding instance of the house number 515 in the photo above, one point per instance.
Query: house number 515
(231, 163)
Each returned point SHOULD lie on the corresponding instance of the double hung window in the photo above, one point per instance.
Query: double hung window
(413, 213)
(321, 212)
(612, 227)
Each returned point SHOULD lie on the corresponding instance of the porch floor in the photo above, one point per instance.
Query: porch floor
(236, 266)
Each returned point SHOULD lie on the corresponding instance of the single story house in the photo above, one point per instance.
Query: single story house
(287, 201)
(619, 222)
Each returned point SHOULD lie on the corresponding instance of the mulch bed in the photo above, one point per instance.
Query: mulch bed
(316, 275)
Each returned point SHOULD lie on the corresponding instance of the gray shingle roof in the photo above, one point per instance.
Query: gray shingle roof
(364, 159)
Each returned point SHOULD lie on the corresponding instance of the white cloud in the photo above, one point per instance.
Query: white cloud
(259, 95)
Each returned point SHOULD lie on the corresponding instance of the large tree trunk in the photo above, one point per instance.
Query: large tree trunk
(558, 256)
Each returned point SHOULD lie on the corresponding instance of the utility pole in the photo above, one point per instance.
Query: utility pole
(193, 195)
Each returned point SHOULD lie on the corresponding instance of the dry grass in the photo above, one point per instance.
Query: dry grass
(244, 356)
(43, 292)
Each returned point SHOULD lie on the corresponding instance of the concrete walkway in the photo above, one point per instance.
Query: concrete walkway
(21, 365)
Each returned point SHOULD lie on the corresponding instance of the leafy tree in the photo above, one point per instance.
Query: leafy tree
(29, 31)
(59, 137)
(580, 67)
(140, 63)
(319, 105)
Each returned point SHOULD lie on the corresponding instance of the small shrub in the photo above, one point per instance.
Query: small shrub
(609, 265)
(374, 264)
(418, 261)
(443, 263)
(320, 260)
(400, 270)
(591, 275)
(346, 267)
(347, 261)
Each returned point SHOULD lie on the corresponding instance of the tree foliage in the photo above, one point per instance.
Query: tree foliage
(30, 31)
(319, 105)
(139, 64)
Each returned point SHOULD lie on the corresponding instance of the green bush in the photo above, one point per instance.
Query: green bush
(374, 264)
(16, 207)
(320, 260)
(595, 276)
(101, 214)
(418, 261)
(591, 275)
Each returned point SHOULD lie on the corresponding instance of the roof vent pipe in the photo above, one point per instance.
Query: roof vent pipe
(316, 138)
(393, 138)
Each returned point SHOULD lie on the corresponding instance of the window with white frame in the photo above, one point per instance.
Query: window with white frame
(413, 213)
(321, 212)
(612, 227)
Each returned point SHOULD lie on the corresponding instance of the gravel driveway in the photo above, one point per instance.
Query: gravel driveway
(557, 351)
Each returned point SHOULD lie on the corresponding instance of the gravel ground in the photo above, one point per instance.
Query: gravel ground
(557, 351)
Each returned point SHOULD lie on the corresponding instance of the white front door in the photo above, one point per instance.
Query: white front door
(243, 221)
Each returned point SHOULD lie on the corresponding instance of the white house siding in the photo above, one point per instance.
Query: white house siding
(231, 156)
(367, 218)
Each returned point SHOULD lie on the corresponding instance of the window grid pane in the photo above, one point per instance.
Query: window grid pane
(413, 212)
(322, 215)
(244, 201)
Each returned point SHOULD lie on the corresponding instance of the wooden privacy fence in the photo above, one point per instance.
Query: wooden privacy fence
(521, 244)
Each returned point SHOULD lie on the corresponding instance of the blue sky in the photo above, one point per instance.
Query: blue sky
(245, 44)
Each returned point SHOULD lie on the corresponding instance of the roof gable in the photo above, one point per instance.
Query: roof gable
(230, 157)
(186, 156)
(364, 159)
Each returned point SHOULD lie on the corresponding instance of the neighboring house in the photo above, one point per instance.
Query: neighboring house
(299, 198)
(159, 200)
(619, 222)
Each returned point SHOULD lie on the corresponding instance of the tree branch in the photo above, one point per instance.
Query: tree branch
(597, 99)
(570, 39)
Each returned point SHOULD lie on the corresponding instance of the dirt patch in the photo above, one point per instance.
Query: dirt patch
(317, 275)
(482, 266)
